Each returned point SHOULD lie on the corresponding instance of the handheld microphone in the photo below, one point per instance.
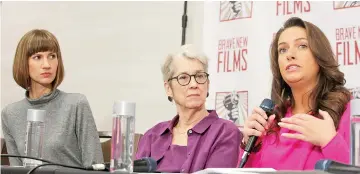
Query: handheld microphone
(268, 106)
(336, 167)
(145, 165)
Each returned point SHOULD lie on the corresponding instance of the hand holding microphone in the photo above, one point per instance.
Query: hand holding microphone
(257, 124)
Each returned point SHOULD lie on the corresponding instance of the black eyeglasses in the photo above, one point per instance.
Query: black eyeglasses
(184, 79)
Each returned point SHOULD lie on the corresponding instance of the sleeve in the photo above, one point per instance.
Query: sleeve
(9, 140)
(144, 146)
(87, 134)
(226, 151)
(341, 141)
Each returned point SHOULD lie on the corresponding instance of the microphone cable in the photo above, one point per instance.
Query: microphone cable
(96, 167)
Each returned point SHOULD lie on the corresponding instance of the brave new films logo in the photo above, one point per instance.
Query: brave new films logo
(345, 4)
(347, 47)
(355, 92)
(292, 7)
(232, 106)
(232, 54)
(232, 10)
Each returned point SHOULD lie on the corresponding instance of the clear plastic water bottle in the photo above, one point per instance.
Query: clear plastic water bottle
(355, 132)
(123, 134)
(34, 137)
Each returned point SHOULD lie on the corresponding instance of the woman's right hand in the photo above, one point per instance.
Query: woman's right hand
(256, 124)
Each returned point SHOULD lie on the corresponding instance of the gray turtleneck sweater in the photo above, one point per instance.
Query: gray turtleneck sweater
(70, 135)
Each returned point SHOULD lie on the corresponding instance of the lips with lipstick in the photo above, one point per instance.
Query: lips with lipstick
(45, 74)
(292, 67)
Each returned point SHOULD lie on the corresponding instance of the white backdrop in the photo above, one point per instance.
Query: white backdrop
(111, 51)
(247, 28)
(108, 41)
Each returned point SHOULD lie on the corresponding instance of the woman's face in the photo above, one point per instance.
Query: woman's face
(188, 91)
(43, 67)
(296, 61)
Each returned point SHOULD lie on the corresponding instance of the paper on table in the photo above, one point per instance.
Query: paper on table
(235, 170)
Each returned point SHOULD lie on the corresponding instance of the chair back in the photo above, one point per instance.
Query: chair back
(4, 160)
(106, 145)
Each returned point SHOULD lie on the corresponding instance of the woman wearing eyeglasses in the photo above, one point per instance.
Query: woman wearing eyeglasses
(195, 138)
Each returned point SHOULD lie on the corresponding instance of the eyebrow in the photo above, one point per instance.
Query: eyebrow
(301, 38)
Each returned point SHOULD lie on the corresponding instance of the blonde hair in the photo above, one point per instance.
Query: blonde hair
(186, 51)
(32, 42)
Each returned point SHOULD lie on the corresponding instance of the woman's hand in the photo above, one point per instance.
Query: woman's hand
(311, 129)
(257, 124)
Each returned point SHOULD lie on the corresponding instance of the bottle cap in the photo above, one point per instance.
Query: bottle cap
(35, 115)
(124, 108)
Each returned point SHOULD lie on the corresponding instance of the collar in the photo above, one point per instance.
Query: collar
(43, 99)
(199, 128)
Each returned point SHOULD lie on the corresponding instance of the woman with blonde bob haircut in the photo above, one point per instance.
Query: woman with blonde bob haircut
(196, 138)
(70, 135)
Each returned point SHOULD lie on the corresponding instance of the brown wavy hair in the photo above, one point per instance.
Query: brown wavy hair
(329, 94)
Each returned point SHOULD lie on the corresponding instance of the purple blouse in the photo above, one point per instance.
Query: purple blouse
(212, 143)
(173, 159)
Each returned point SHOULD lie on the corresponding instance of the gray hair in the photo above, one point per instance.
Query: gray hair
(186, 51)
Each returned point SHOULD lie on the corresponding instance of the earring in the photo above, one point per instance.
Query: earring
(207, 95)
(170, 99)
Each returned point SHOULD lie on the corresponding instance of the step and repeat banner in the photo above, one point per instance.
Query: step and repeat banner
(237, 38)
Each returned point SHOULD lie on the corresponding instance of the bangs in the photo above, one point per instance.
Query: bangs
(40, 42)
